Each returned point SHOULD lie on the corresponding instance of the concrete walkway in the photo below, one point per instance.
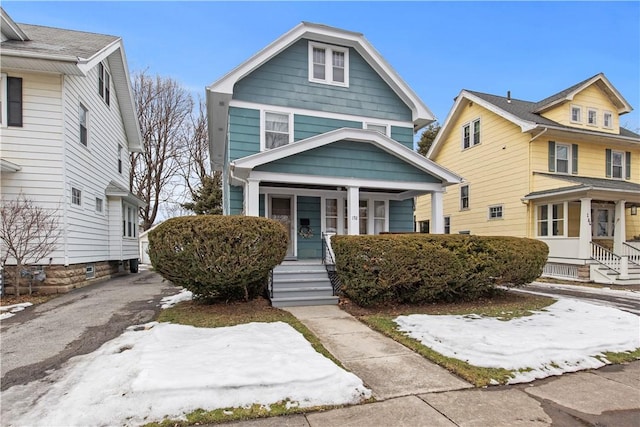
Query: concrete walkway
(411, 391)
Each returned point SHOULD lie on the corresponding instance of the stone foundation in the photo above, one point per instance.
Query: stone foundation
(584, 273)
(61, 279)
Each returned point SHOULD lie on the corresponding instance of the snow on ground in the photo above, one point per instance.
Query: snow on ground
(10, 310)
(169, 370)
(170, 301)
(626, 293)
(563, 338)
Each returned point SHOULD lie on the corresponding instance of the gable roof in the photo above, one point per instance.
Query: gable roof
(220, 92)
(526, 114)
(55, 50)
(357, 135)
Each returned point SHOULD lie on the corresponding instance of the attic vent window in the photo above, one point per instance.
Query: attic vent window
(328, 64)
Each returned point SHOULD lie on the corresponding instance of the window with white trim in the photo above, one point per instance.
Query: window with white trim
(10, 101)
(276, 129)
(464, 197)
(383, 129)
(104, 83)
(550, 219)
(129, 223)
(99, 205)
(90, 271)
(120, 159)
(331, 215)
(576, 114)
(563, 157)
(495, 212)
(76, 196)
(3, 100)
(471, 134)
(84, 120)
(328, 64)
(379, 216)
(617, 164)
(607, 119)
(592, 117)
(447, 225)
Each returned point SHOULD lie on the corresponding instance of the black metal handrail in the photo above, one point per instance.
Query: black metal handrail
(330, 263)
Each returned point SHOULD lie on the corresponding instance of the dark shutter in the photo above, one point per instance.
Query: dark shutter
(574, 159)
(552, 156)
(608, 162)
(14, 101)
(627, 165)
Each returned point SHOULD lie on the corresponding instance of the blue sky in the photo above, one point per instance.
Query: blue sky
(533, 49)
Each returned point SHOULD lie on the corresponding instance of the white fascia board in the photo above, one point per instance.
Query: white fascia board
(421, 114)
(7, 166)
(359, 135)
(86, 64)
(11, 29)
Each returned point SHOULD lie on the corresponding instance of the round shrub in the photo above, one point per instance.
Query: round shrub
(218, 257)
(419, 268)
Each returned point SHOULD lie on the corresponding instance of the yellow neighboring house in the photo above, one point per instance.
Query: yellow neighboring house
(561, 170)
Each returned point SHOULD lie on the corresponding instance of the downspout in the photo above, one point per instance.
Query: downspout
(65, 221)
(530, 233)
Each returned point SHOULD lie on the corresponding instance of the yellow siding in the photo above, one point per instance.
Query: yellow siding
(590, 97)
(496, 171)
(633, 225)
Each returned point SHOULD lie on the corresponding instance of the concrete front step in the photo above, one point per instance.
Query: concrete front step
(302, 282)
(306, 301)
(317, 291)
(284, 276)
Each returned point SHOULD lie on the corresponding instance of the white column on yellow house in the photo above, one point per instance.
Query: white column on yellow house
(437, 213)
(252, 197)
(619, 227)
(584, 246)
(353, 210)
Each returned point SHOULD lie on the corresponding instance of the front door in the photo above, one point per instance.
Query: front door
(603, 223)
(281, 211)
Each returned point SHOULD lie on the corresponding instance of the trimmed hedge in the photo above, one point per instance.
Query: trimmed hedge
(419, 268)
(218, 257)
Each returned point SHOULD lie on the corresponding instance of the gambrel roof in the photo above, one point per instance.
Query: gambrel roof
(526, 114)
(56, 50)
(219, 93)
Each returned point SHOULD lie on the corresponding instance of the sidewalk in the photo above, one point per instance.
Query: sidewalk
(411, 391)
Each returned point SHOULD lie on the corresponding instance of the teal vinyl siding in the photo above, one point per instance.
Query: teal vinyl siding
(284, 81)
(235, 200)
(403, 135)
(309, 248)
(308, 126)
(349, 159)
(244, 131)
(401, 216)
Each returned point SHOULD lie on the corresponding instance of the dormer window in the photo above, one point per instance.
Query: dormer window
(592, 117)
(328, 64)
(104, 82)
(576, 114)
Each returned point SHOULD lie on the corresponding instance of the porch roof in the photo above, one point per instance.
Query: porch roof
(626, 190)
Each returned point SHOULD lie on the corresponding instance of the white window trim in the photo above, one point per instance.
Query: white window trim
(387, 128)
(105, 87)
(263, 127)
(328, 66)
(3, 100)
(569, 157)
(83, 106)
(472, 137)
(444, 224)
(501, 217)
(623, 165)
(125, 217)
(565, 222)
(90, 271)
(468, 197)
(101, 211)
(82, 196)
(589, 111)
(604, 125)
(571, 114)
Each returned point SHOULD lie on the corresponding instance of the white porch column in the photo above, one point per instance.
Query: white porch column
(353, 210)
(252, 197)
(584, 249)
(619, 227)
(437, 213)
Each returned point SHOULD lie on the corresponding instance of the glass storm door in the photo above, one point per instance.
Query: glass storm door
(281, 212)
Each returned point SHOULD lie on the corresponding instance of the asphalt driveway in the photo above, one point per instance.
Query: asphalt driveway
(43, 337)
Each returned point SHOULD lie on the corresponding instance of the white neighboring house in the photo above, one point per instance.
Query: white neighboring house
(144, 246)
(68, 124)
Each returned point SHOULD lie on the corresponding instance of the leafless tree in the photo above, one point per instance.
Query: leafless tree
(195, 163)
(28, 234)
(163, 108)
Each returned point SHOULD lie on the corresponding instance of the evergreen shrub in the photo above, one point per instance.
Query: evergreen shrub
(218, 257)
(421, 268)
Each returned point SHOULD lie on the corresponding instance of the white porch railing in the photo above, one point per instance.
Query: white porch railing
(631, 252)
(616, 263)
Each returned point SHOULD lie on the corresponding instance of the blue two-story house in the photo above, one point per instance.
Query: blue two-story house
(316, 131)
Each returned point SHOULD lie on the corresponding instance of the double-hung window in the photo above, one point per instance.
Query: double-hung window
(464, 197)
(576, 114)
(104, 82)
(563, 158)
(10, 101)
(276, 130)
(328, 64)
(129, 223)
(471, 134)
(592, 117)
(76, 196)
(550, 220)
(607, 119)
(84, 119)
(618, 164)
(447, 225)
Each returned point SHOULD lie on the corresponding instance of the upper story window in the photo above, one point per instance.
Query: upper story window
(592, 117)
(328, 64)
(563, 158)
(104, 83)
(618, 164)
(576, 114)
(383, 129)
(607, 119)
(84, 126)
(120, 159)
(76, 196)
(277, 130)
(464, 197)
(10, 101)
(471, 134)
(99, 205)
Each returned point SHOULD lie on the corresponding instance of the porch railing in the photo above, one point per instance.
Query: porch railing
(631, 252)
(618, 264)
(329, 261)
